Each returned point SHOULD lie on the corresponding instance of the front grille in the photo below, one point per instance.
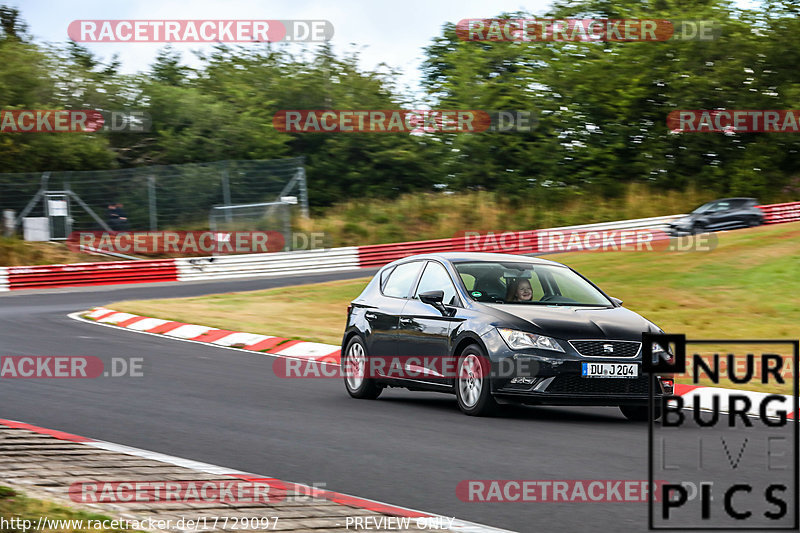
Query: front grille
(599, 348)
(574, 384)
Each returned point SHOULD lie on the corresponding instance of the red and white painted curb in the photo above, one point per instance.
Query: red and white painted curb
(277, 346)
(706, 396)
(336, 497)
(329, 353)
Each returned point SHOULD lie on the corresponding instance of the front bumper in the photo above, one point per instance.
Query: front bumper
(563, 384)
(677, 230)
(547, 377)
(573, 389)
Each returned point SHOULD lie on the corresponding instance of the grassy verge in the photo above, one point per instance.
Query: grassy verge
(16, 252)
(745, 288)
(19, 508)
(422, 216)
(308, 312)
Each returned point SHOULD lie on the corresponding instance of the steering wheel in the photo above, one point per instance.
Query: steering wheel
(548, 297)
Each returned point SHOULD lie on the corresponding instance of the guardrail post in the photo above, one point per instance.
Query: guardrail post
(151, 199)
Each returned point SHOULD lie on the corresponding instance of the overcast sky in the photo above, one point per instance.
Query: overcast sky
(390, 32)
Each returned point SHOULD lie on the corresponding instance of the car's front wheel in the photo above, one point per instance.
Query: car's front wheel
(354, 365)
(639, 413)
(472, 383)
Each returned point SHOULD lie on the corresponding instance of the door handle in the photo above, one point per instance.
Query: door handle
(405, 320)
(370, 316)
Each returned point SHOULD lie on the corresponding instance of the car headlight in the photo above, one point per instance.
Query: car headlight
(519, 340)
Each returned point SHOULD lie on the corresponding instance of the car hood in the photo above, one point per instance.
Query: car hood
(688, 219)
(576, 322)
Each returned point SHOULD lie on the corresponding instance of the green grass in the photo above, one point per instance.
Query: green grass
(16, 252)
(745, 288)
(421, 216)
(308, 312)
(14, 505)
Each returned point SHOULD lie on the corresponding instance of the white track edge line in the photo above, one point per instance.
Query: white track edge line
(208, 468)
(459, 525)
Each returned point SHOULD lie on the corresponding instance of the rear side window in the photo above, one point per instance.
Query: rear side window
(400, 280)
(385, 277)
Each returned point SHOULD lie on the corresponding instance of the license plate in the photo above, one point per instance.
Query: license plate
(610, 370)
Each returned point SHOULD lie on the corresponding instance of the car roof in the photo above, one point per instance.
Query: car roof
(732, 199)
(461, 257)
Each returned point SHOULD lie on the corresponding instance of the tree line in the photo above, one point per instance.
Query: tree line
(601, 108)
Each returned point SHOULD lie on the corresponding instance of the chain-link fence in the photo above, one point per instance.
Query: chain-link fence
(156, 197)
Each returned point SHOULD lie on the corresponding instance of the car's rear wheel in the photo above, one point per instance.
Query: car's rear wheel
(354, 365)
(639, 413)
(472, 383)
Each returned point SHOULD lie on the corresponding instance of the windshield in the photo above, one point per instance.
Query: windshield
(528, 283)
(705, 207)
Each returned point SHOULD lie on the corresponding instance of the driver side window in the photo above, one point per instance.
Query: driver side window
(436, 278)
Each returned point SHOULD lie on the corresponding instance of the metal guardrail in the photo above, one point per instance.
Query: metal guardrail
(516, 242)
(634, 223)
(270, 264)
(778, 213)
(81, 274)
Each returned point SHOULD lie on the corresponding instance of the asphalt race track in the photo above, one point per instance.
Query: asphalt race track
(226, 407)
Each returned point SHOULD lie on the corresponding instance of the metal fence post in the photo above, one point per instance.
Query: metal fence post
(151, 200)
(226, 193)
(287, 228)
(39, 195)
(301, 175)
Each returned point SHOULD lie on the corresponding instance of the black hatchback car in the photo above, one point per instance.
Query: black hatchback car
(728, 213)
(496, 328)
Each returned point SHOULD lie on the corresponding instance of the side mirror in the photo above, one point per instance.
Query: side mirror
(616, 301)
(432, 297)
(435, 299)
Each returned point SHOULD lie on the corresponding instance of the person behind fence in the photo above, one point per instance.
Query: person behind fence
(123, 217)
(116, 217)
(519, 290)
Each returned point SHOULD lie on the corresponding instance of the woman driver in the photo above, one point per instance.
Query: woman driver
(519, 290)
